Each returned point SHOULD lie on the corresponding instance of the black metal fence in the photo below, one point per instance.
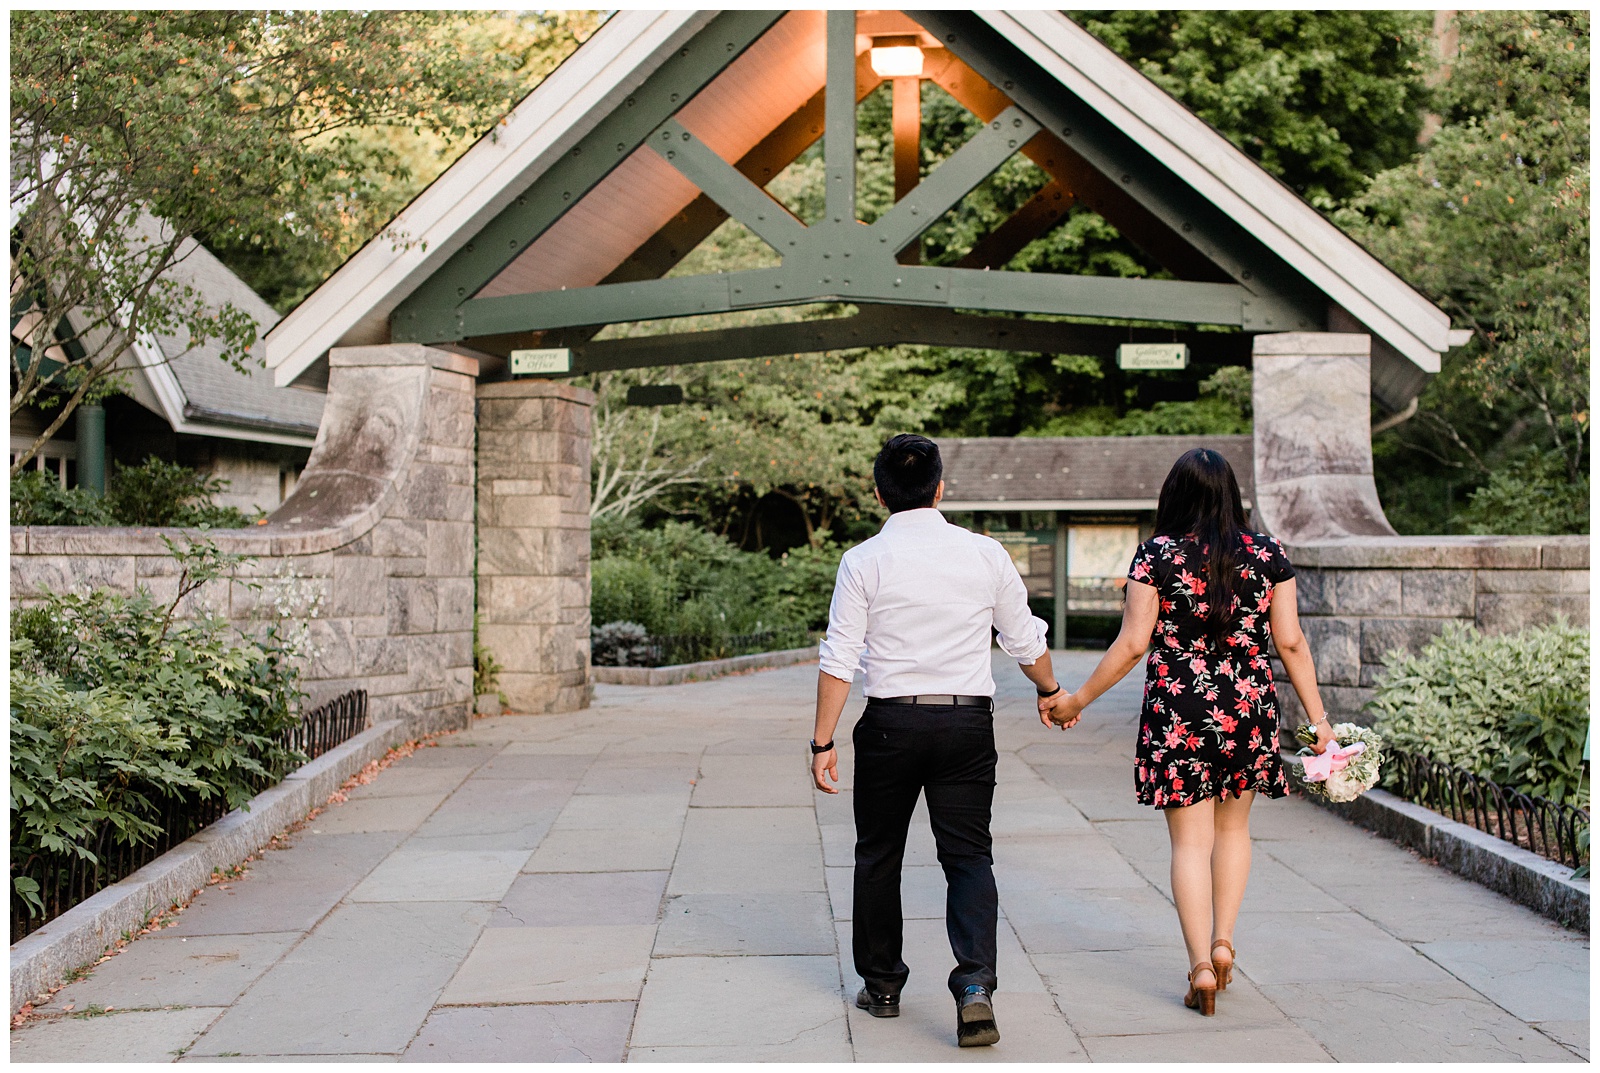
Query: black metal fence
(66, 879)
(1548, 828)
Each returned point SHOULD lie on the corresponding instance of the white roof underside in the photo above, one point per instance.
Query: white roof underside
(758, 91)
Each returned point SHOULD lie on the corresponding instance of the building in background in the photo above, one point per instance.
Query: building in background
(189, 406)
(1071, 510)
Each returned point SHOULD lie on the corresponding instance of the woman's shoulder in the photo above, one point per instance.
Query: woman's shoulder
(1253, 540)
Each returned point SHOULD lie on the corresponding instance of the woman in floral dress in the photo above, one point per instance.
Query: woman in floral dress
(1211, 595)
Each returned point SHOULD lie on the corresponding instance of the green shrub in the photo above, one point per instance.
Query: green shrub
(165, 493)
(38, 499)
(1512, 707)
(804, 584)
(152, 493)
(120, 709)
(1531, 494)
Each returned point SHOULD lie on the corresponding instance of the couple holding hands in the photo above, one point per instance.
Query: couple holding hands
(914, 608)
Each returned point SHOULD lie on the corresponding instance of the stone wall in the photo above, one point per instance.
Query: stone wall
(1360, 598)
(378, 531)
(1363, 589)
(533, 541)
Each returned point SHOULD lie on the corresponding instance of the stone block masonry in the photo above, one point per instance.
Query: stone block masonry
(1359, 598)
(378, 533)
(533, 541)
(1363, 589)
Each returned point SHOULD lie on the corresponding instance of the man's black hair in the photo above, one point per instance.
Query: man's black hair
(907, 472)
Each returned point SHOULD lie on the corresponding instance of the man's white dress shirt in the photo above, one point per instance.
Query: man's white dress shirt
(914, 606)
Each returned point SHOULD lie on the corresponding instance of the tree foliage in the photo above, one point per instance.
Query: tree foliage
(133, 132)
(1492, 221)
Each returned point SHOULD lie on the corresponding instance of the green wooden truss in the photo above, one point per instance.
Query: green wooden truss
(1227, 277)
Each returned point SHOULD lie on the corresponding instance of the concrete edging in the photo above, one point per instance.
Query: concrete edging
(699, 672)
(1519, 874)
(84, 932)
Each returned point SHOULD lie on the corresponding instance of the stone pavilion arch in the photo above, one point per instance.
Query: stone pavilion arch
(574, 213)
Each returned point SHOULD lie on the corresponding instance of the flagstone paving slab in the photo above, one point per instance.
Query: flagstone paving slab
(776, 922)
(689, 1002)
(601, 897)
(361, 983)
(1537, 981)
(176, 970)
(287, 889)
(136, 1036)
(417, 874)
(1438, 1022)
(641, 849)
(567, 964)
(552, 899)
(571, 1032)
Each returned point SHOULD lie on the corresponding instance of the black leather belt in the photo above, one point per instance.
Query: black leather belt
(938, 698)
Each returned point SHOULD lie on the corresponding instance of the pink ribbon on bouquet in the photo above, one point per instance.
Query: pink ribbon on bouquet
(1336, 758)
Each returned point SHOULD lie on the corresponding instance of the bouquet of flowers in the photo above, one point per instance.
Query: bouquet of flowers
(1349, 767)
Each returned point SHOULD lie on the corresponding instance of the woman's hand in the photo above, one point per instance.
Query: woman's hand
(1062, 710)
(1324, 731)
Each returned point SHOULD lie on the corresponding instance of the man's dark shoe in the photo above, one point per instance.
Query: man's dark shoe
(878, 1005)
(975, 1025)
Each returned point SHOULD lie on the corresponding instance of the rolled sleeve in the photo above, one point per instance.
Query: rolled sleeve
(846, 639)
(1022, 634)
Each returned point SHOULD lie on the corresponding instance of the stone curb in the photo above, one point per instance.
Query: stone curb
(1521, 875)
(699, 672)
(84, 932)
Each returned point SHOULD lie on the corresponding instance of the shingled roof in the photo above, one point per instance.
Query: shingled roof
(1074, 472)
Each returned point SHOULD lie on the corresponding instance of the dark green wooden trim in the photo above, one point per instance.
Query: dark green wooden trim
(562, 184)
(953, 179)
(723, 183)
(870, 276)
(839, 148)
(1281, 300)
(885, 325)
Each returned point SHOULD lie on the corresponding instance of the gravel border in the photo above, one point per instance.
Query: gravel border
(1519, 874)
(84, 932)
(698, 672)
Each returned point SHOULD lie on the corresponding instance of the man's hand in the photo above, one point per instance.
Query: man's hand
(826, 762)
(1062, 710)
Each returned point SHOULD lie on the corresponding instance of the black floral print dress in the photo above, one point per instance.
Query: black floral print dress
(1209, 727)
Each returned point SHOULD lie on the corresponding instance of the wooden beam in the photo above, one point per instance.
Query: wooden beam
(886, 325)
(1087, 186)
(1043, 211)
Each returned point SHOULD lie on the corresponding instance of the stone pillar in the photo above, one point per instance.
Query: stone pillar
(533, 541)
(1313, 437)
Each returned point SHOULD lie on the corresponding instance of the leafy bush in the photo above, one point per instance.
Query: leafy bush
(804, 584)
(1532, 494)
(165, 493)
(37, 499)
(680, 580)
(620, 644)
(1513, 707)
(153, 493)
(121, 711)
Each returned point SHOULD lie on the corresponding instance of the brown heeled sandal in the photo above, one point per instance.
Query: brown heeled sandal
(1223, 969)
(1203, 999)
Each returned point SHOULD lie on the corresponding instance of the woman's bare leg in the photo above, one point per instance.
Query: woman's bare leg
(1192, 831)
(1230, 862)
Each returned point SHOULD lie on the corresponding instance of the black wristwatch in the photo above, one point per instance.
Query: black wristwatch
(818, 749)
(1053, 692)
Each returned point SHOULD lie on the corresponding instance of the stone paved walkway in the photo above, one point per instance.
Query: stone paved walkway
(653, 879)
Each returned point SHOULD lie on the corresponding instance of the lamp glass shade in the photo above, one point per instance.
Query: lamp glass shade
(897, 61)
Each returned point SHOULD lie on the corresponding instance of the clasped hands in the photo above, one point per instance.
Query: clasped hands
(1060, 710)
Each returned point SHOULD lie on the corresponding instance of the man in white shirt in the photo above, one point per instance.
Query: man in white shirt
(914, 607)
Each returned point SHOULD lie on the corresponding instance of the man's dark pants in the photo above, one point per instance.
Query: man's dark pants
(946, 752)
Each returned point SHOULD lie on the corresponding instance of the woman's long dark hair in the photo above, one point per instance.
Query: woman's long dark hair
(1201, 496)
